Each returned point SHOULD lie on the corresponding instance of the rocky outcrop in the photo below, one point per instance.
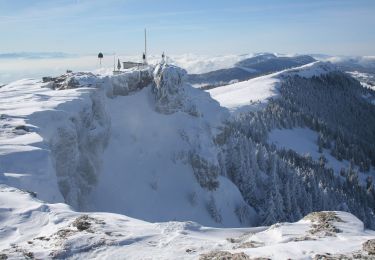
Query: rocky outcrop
(76, 149)
(224, 255)
(369, 246)
(70, 80)
(170, 91)
(125, 83)
(323, 223)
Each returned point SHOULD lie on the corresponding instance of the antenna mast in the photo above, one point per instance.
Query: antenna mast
(145, 46)
(114, 61)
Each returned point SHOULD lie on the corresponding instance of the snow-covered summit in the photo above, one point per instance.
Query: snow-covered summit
(169, 91)
(316, 69)
(102, 140)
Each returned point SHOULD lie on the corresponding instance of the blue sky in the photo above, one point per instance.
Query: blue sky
(340, 27)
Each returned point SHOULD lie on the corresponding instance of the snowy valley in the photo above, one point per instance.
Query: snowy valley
(275, 162)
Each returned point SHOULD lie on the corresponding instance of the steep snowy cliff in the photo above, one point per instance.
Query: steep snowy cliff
(139, 143)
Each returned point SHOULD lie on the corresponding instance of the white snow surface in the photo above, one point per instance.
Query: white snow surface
(25, 158)
(304, 142)
(254, 94)
(104, 147)
(250, 94)
(137, 161)
(30, 227)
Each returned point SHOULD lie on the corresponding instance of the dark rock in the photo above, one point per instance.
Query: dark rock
(249, 244)
(322, 223)
(22, 127)
(331, 257)
(29, 255)
(72, 83)
(64, 233)
(82, 222)
(369, 246)
(32, 193)
(224, 255)
(47, 79)
(43, 238)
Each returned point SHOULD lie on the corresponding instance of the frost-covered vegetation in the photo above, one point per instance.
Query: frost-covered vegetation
(284, 185)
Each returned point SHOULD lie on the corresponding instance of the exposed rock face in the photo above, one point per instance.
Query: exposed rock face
(369, 246)
(125, 83)
(69, 80)
(82, 222)
(224, 255)
(76, 148)
(323, 223)
(172, 95)
(169, 90)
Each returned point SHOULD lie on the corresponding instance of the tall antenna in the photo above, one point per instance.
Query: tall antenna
(145, 46)
(114, 61)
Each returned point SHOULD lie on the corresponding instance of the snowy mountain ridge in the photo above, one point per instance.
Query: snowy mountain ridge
(147, 145)
(316, 101)
(248, 68)
(254, 93)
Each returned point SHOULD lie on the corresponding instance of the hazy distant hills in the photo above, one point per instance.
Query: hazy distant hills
(249, 68)
(35, 55)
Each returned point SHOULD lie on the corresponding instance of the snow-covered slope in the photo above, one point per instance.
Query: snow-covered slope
(280, 109)
(254, 93)
(32, 229)
(134, 143)
(304, 142)
(251, 94)
(30, 115)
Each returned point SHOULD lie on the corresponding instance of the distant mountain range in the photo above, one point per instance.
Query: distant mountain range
(35, 55)
(248, 68)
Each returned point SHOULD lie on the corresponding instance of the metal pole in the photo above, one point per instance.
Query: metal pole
(145, 46)
(114, 61)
